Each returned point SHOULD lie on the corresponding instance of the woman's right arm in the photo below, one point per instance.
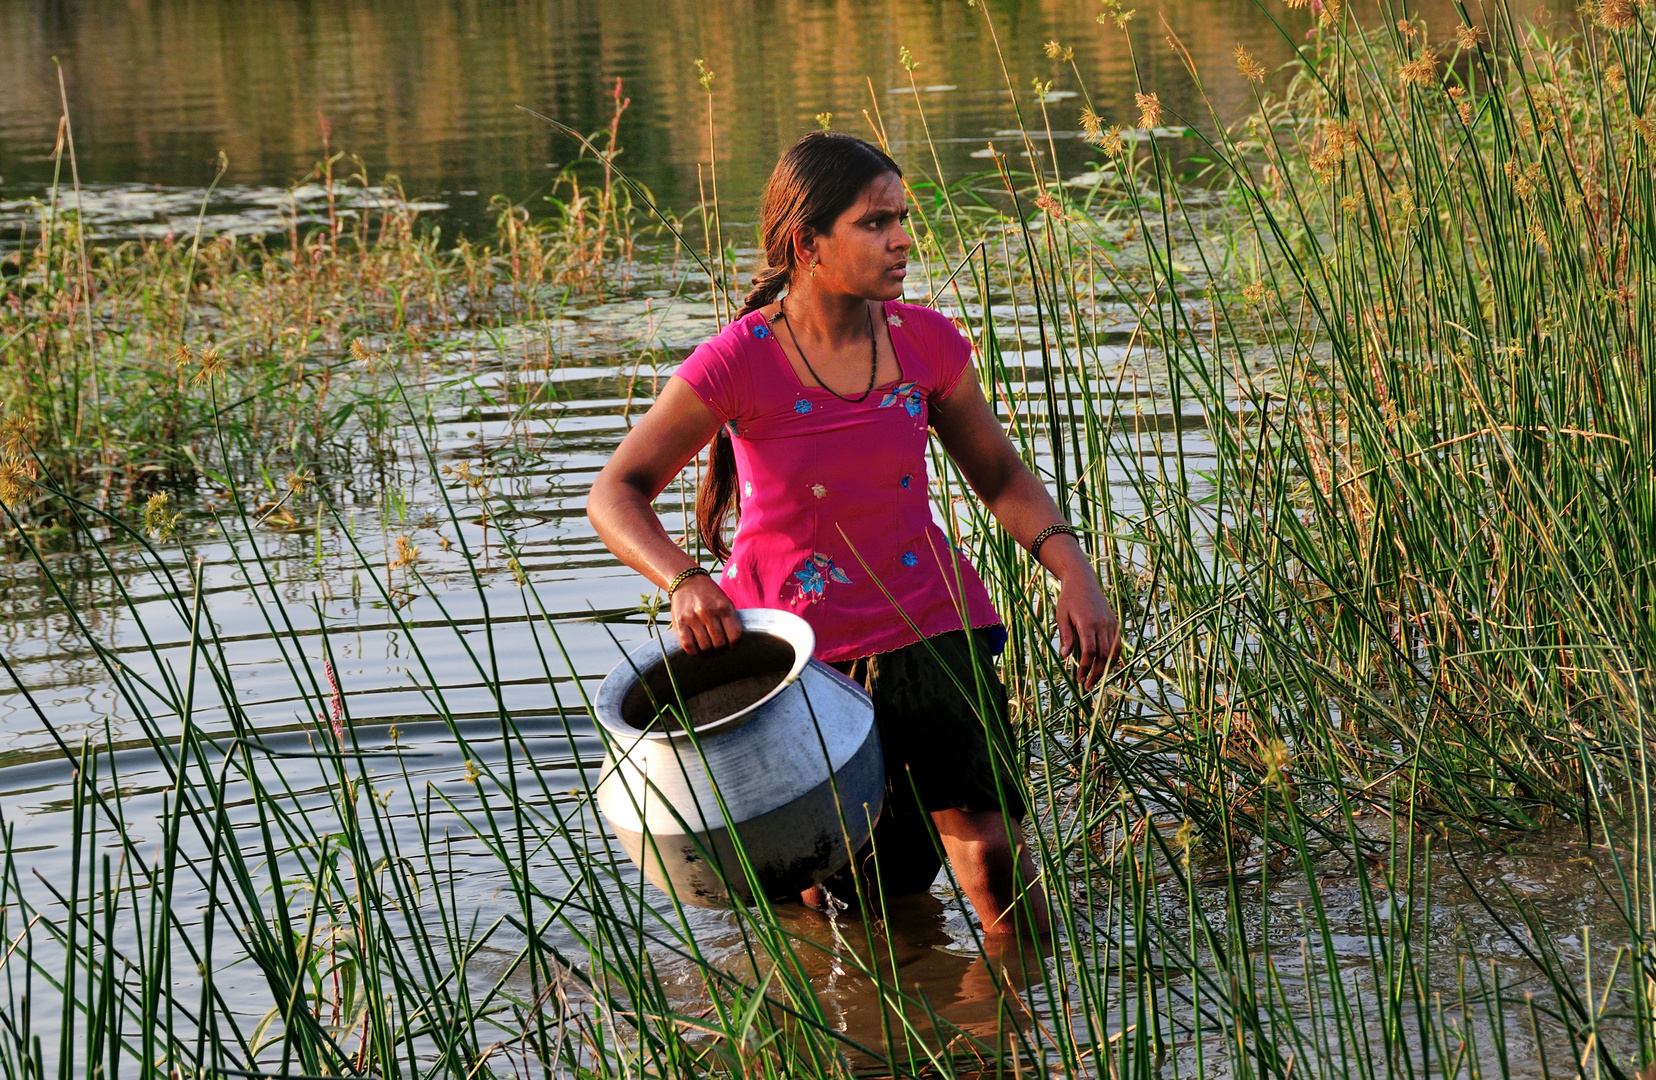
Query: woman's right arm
(620, 508)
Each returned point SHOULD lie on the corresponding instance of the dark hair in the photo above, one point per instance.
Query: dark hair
(815, 180)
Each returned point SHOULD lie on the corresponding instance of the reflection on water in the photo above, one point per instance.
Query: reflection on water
(427, 89)
(531, 470)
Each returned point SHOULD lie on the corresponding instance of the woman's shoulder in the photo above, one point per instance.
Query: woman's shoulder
(721, 369)
(938, 339)
(739, 338)
(922, 321)
(732, 349)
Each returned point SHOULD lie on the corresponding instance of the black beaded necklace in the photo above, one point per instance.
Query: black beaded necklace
(873, 355)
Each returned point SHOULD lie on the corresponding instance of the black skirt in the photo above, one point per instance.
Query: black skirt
(948, 745)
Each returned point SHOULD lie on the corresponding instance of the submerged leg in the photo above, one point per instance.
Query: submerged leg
(995, 870)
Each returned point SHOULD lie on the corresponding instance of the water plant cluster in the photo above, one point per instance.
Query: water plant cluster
(116, 358)
(1359, 432)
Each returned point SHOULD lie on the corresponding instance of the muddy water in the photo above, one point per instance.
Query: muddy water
(461, 640)
(428, 95)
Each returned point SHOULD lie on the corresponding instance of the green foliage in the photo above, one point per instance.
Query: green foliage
(1360, 436)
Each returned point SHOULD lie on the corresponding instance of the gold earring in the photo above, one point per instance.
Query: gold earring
(813, 267)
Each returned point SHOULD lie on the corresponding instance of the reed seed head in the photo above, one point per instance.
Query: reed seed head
(1055, 51)
(1114, 12)
(1467, 37)
(362, 354)
(16, 478)
(1618, 15)
(1251, 69)
(906, 58)
(336, 700)
(704, 75)
(158, 522)
(16, 433)
(1419, 71)
(1150, 110)
(407, 554)
(212, 365)
(1275, 756)
(1614, 78)
(823, 119)
(1328, 159)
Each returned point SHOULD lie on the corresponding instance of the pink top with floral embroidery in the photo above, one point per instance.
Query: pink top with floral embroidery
(836, 523)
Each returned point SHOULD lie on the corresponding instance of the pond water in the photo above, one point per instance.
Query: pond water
(427, 90)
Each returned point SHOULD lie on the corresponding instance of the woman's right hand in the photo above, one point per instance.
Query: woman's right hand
(703, 616)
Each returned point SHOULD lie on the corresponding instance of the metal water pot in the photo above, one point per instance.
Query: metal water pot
(787, 744)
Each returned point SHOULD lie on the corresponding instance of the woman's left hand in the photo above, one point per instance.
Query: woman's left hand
(1087, 628)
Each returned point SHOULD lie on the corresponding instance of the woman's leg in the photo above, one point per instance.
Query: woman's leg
(995, 869)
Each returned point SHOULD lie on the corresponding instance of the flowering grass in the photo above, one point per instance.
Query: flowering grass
(107, 350)
(1359, 432)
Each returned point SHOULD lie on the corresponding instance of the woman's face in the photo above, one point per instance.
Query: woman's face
(866, 252)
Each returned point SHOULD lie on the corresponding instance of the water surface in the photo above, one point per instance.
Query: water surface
(428, 89)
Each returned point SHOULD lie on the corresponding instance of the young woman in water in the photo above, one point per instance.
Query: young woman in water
(818, 398)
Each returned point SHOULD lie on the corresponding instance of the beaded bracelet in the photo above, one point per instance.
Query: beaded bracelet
(1046, 534)
(685, 575)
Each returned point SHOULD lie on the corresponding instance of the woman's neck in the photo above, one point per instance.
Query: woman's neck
(834, 318)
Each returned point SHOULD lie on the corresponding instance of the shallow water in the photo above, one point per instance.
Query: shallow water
(540, 464)
(427, 92)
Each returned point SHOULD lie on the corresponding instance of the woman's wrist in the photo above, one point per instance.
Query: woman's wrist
(1065, 559)
(683, 577)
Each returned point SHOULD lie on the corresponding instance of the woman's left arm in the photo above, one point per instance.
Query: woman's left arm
(1087, 626)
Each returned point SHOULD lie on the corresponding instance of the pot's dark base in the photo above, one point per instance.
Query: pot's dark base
(703, 869)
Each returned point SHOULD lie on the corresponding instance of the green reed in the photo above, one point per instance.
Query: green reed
(156, 320)
(1358, 431)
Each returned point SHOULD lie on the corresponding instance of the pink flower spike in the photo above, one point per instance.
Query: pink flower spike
(336, 700)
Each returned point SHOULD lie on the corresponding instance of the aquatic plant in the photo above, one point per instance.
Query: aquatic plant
(1379, 391)
(107, 350)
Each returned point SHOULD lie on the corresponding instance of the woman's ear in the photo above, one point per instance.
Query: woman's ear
(805, 244)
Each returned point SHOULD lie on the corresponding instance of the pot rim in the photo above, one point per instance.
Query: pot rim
(780, 624)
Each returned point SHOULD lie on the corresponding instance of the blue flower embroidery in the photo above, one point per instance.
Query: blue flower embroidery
(814, 575)
(802, 406)
(910, 558)
(747, 489)
(907, 394)
(761, 331)
(906, 479)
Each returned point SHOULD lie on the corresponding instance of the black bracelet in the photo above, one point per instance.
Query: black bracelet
(1046, 534)
(686, 575)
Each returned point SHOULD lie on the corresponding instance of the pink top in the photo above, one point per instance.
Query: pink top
(836, 524)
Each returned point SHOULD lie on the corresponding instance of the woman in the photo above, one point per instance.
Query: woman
(820, 400)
